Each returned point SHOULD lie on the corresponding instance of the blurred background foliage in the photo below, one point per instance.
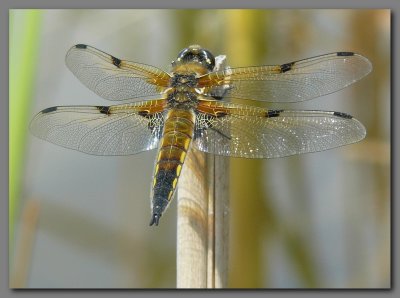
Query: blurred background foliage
(319, 220)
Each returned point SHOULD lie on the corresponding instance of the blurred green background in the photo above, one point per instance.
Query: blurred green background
(319, 220)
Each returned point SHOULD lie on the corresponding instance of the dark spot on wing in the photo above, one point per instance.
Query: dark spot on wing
(345, 53)
(220, 114)
(342, 115)
(147, 115)
(273, 113)
(81, 46)
(116, 61)
(287, 66)
(49, 110)
(154, 126)
(143, 113)
(104, 109)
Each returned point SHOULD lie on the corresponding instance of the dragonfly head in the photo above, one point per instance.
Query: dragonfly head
(196, 53)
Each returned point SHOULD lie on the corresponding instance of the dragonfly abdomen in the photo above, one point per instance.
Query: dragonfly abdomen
(177, 135)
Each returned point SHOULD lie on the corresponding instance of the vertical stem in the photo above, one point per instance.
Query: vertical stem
(211, 221)
(23, 255)
(220, 177)
(202, 232)
(192, 223)
(247, 196)
(24, 46)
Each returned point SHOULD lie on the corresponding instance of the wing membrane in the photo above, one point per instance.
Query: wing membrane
(102, 130)
(112, 78)
(251, 132)
(290, 82)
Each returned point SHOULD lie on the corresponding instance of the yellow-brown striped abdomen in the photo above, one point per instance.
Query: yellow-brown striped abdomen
(177, 135)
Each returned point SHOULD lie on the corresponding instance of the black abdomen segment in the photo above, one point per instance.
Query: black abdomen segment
(177, 135)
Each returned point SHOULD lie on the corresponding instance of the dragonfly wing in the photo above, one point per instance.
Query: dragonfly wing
(251, 132)
(112, 78)
(290, 82)
(102, 130)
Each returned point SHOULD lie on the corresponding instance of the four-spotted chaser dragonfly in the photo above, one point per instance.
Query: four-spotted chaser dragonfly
(186, 109)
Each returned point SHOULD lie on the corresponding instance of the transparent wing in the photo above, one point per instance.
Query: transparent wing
(289, 82)
(102, 130)
(112, 78)
(251, 132)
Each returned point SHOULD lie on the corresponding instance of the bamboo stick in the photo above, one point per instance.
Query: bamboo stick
(192, 223)
(203, 221)
(219, 200)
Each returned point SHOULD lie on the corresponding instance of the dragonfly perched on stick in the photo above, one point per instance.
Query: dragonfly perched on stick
(189, 108)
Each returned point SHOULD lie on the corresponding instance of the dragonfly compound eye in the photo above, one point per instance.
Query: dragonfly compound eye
(195, 53)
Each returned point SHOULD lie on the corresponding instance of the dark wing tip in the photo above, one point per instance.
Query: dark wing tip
(155, 218)
(49, 110)
(342, 115)
(345, 54)
(81, 46)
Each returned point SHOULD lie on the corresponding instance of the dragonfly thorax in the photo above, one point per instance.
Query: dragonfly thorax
(185, 81)
(182, 99)
(182, 89)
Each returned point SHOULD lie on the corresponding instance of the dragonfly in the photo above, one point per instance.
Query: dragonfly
(195, 105)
